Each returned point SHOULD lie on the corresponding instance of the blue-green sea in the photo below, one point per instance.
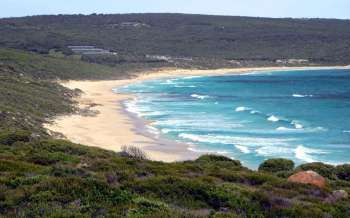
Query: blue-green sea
(299, 115)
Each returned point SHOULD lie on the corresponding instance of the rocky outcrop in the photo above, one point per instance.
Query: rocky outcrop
(308, 177)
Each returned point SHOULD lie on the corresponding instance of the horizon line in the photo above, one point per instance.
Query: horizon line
(176, 13)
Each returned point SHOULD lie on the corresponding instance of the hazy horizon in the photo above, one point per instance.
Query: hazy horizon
(336, 9)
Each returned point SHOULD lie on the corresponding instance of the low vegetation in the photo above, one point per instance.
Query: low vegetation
(27, 103)
(276, 165)
(56, 178)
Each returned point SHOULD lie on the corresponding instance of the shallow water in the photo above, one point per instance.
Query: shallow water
(300, 115)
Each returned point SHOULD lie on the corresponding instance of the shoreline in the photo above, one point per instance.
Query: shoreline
(111, 126)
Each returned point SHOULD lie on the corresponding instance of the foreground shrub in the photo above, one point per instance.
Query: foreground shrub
(276, 165)
(325, 170)
(146, 207)
(343, 172)
(10, 137)
(217, 158)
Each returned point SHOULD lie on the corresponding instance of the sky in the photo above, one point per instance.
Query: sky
(257, 8)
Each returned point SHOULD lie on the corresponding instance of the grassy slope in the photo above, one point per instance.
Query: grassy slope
(47, 67)
(28, 94)
(40, 178)
(26, 103)
(28, 97)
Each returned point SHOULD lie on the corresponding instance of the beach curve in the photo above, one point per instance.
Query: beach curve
(111, 127)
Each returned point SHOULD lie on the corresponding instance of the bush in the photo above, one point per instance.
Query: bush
(276, 165)
(146, 207)
(325, 170)
(217, 158)
(343, 172)
(10, 137)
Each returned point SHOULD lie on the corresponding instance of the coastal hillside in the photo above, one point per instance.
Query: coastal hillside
(184, 39)
(55, 178)
(44, 177)
(41, 176)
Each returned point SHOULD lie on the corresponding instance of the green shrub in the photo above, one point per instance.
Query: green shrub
(256, 178)
(62, 146)
(217, 158)
(146, 207)
(343, 172)
(48, 158)
(18, 166)
(276, 165)
(325, 170)
(225, 215)
(192, 193)
(10, 137)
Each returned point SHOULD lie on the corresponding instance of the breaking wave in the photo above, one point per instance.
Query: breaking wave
(301, 96)
(273, 118)
(200, 96)
(306, 154)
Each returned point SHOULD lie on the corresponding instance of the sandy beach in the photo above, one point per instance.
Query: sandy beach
(110, 127)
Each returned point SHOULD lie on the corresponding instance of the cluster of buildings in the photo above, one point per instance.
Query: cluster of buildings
(90, 50)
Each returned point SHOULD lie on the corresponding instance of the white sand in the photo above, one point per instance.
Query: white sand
(111, 128)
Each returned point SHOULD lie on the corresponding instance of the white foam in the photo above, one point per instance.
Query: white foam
(243, 149)
(302, 153)
(285, 129)
(305, 154)
(198, 123)
(141, 111)
(254, 112)
(301, 96)
(273, 118)
(182, 86)
(132, 107)
(152, 130)
(274, 150)
(116, 90)
(346, 131)
(282, 128)
(240, 109)
(169, 82)
(236, 140)
(297, 125)
(192, 77)
(206, 151)
(152, 113)
(320, 128)
(200, 96)
(165, 131)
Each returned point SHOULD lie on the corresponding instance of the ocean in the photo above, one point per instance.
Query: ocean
(301, 115)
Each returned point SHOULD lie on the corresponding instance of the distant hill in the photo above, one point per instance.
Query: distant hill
(235, 39)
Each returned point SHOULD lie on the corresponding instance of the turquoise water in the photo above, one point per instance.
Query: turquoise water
(300, 115)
